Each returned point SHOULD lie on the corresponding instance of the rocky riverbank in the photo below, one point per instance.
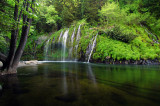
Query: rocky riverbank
(28, 63)
(134, 62)
(25, 63)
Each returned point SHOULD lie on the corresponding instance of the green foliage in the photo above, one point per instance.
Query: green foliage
(54, 37)
(111, 13)
(3, 44)
(87, 33)
(47, 17)
(107, 48)
(6, 15)
(51, 15)
(154, 25)
(151, 6)
(123, 24)
(119, 33)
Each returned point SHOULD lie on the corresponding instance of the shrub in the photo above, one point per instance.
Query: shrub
(120, 34)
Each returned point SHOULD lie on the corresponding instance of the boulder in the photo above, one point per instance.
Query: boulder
(1, 64)
(31, 62)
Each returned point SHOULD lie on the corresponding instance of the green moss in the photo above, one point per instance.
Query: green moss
(136, 50)
(55, 36)
(86, 36)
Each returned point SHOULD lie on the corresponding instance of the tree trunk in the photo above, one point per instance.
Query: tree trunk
(21, 46)
(15, 55)
(13, 41)
(24, 36)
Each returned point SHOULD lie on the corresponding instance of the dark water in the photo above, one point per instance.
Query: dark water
(81, 84)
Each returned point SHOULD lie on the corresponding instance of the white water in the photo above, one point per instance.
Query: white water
(93, 45)
(72, 40)
(65, 48)
(88, 50)
(65, 36)
(46, 49)
(155, 40)
(59, 62)
(60, 36)
(77, 40)
(72, 37)
(78, 33)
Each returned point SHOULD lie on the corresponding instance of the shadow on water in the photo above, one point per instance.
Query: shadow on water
(11, 88)
(71, 83)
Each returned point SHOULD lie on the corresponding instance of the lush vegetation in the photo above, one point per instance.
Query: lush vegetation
(127, 29)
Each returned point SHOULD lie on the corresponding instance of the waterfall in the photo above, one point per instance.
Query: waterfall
(60, 36)
(89, 48)
(64, 41)
(154, 37)
(93, 45)
(72, 37)
(72, 40)
(46, 49)
(77, 40)
(59, 51)
(78, 33)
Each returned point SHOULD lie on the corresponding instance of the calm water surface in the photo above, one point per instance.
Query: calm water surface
(81, 84)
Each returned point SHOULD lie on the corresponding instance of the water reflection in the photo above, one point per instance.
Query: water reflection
(9, 81)
(11, 89)
(65, 86)
(70, 84)
(91, 74)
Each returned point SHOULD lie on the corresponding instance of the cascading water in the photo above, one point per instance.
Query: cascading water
(63, 49)
(72, 40)
(65, 36)
(46, 50)
(154, 37)
(78, 33)
(89, 48)
(77, 40)
(93, 45)
(60, 36)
